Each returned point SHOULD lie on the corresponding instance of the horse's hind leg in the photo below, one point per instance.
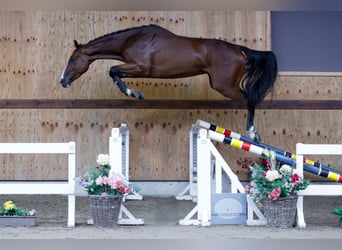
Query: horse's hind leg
(250, 125)
(116, 74)
(228, 85)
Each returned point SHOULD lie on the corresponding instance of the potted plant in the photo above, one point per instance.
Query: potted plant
(273, 186)
(15, 216)
(106, 191)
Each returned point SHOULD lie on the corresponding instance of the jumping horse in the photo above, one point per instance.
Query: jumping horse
(150, 51)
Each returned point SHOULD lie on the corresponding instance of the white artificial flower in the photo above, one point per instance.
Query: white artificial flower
(272, 175)
(285, 169)
(103, 159)
(32, 212)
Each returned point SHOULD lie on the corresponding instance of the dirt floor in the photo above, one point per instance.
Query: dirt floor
(161, 216)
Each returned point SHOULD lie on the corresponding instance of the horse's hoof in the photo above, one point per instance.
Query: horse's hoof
(138, 95)
(257, 137)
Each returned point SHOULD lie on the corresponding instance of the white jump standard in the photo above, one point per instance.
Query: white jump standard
(119, 160)
(210, 168)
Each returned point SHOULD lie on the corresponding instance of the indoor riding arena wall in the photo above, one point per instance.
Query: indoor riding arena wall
(35, 47)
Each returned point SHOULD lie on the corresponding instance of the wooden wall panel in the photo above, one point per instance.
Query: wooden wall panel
(159, 140)
(34, 49)
(305, 87)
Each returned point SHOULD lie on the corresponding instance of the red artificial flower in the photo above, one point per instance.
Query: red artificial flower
(295, 178)
(264, 163)
(122, 189)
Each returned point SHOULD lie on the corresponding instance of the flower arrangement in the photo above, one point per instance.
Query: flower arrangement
(271, 179)
(99, 182)
(9, 208)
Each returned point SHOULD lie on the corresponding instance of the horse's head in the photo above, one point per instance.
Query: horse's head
(77, 65)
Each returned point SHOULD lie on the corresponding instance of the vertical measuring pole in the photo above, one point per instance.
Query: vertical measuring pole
(118, 150)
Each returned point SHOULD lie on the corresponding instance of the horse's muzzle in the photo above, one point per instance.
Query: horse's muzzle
(65, 84)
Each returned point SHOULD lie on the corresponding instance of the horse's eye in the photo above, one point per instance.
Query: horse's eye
(72, 60)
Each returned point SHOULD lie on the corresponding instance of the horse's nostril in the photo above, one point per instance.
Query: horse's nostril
(65, 84)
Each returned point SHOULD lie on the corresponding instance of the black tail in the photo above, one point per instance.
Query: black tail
(260, 74)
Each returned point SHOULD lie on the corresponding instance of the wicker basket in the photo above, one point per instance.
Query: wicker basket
(281, 212)
(105, 209)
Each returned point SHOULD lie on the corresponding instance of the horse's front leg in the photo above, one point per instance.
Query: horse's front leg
(252, 133)
(116, 75)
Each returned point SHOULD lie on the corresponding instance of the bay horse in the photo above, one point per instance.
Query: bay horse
(150, 51)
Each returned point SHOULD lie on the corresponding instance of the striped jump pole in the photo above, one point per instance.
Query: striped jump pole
(232, 134)
(262, 151)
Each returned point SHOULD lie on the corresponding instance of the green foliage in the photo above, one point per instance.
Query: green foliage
(338, 212)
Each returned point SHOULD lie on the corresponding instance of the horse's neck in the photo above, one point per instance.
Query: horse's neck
(105, 48)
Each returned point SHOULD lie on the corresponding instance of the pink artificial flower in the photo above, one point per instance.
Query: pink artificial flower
(112, 182)
(127, 190)
(98, 180)
(274, 194)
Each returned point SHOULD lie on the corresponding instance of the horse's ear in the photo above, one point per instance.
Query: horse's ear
(76, 44)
